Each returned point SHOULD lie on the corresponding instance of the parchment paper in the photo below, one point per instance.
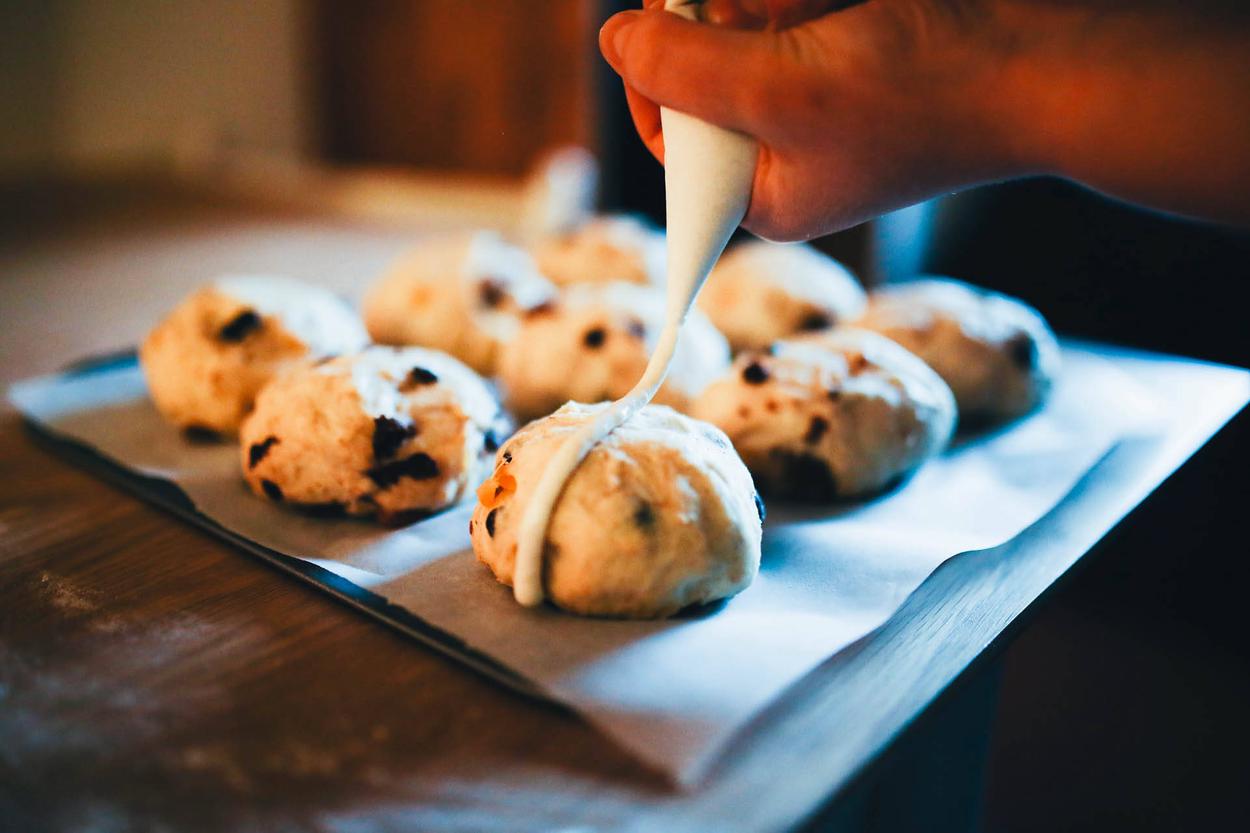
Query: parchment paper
(671, 692)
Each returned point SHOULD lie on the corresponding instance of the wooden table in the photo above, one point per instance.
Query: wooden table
(152, 677)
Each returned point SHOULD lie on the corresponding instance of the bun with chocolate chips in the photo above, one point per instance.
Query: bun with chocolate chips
(760, 292)
(206, 361)
(660, 515)
(996, 353)
(603, 250)
(592, 345)
(390, 433)
(462, 294)
(842, 414)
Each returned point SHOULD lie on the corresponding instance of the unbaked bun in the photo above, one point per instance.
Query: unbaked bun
(603, 250)
(390, 433)
(842, 414)
(760, 292)
(593, 345)
(461, 294)
(207, 359)
(996, 353)
(659, 516)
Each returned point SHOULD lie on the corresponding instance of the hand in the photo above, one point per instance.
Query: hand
(889, 102)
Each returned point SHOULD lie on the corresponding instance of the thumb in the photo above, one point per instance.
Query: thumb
(717, 74)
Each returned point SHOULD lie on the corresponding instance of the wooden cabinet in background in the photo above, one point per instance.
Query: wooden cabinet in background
(453, 85)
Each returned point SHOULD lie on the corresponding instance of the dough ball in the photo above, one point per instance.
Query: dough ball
(659, 516)
(206, 361)
(760, 292)
(996, 353)
(843, 414)
(603, 250)
(389, 432)
(461, 294)
(593, 344)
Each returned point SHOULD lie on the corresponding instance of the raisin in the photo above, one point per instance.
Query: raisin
(815, 430)
(490, 522)
(644, 516)
(421, 376)
(491, 292)
(259, 451)
(271, 490)
(240, 327)
(755, 374)
(200, 435)
(1023, 351)
(595, 337)
(388, 435)
(419, 466)
(545, 308)
(815, 321)
(759, 507)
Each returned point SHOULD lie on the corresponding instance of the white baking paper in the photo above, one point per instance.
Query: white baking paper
(671, 692)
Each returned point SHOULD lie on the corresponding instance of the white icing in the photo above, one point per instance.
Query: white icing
(707, 179)
(560, 194)
(702, 351)
(703, 444)
(980, 313)
(314, 315)
(489, 257)
(377, 371)
(898, 371)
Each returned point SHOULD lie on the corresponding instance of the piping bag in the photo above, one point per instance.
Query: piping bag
(708, 172)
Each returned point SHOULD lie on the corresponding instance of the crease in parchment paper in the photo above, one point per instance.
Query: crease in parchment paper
(670, 692)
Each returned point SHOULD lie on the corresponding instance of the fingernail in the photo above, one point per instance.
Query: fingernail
(615, 34)
(621, 37)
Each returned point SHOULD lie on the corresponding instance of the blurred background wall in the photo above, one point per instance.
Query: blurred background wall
(92, 86)
(100, 86)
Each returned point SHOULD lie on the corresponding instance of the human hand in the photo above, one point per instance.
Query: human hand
(856, 111)
(889, 102)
